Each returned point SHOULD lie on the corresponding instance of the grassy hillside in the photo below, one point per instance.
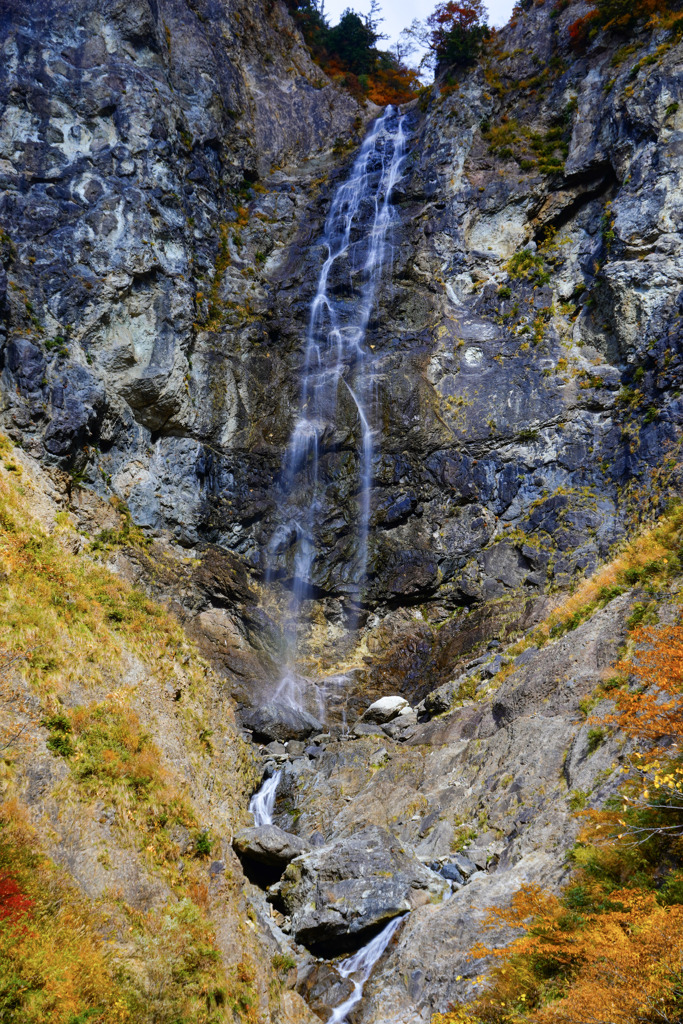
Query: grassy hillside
(121, 780)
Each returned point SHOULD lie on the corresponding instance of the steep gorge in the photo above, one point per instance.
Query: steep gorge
(167, 170)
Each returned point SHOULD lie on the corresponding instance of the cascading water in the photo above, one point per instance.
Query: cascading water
(262, 803)
(337, 381)
(359, 968)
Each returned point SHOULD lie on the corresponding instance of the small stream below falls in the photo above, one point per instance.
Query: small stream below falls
(262, 803)
(357, 967)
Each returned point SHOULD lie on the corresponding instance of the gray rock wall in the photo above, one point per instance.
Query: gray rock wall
(167, 169)
(131, 134)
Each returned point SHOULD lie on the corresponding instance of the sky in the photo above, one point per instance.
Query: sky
(399, 13)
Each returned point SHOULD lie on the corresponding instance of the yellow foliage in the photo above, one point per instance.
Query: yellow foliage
(68, 625)
(651, 555)
(53, 963)
(614, 967)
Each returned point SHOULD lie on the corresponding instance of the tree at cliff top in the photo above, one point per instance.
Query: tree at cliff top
(457, 32)
(348, 53)
(352, 41)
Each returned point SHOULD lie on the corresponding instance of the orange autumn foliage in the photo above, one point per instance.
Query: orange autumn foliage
(392, 85)
(656, 709)
(609, 948)
(389, 85)
(652, 713)
(54, 965)
(614, 15)
(620, 966)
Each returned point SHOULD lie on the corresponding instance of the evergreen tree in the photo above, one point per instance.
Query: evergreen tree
(353, 42)
(458, 30)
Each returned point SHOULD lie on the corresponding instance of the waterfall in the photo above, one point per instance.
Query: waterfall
(262, 803)
(337, 405)
(360, 965)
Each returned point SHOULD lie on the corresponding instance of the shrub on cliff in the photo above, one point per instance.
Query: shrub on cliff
(348, 53)
(457, 32)
(614, 15)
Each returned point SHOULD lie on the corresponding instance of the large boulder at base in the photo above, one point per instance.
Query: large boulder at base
(268, 844)
(385, 709)
(323, 988)
(339, 894)
(275, 721)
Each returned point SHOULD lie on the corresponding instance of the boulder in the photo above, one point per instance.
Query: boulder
(385, 709)
(324, 988)
(439, 701)
(493, 667)
(464, 865)
(276, 721)
(479, 856)
(400, 727)
(276, 749)
(366, 729)
(340, 894)
(451, 872)
(270, 845)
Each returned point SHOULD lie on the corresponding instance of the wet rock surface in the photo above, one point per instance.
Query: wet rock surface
(275, 721)
(516, 399)
(323, 988)
(338, 895)
(138, 144)
(270, 845)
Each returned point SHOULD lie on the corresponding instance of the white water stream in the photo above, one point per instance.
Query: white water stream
(337, 416)
(338, 397)
(359, 968)
(262, 804)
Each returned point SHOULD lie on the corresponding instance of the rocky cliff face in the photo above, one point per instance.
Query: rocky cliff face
(135, 139)
(531, 348)
(166, 171)
(167, 168)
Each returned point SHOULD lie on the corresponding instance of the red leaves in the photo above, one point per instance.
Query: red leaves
(13, 903)
(613, 14)
(464, 16)
(579, 30)
(458, 30)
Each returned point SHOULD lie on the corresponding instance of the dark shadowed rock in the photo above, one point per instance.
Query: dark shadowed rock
(339, 894)
(367, 729)
(323, 988)
(450, 872)
(441, 699)
(277, 721)
(268, 844)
